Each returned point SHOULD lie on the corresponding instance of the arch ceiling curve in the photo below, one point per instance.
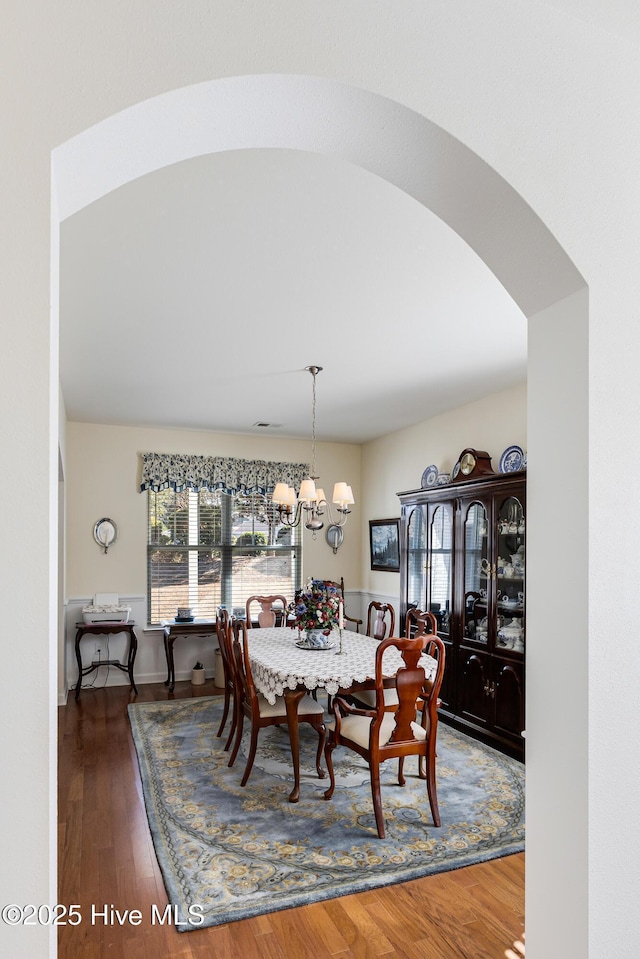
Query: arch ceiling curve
(310, 206)
(326, 117)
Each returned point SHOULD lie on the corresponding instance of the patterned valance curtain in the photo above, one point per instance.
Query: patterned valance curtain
(227, 473)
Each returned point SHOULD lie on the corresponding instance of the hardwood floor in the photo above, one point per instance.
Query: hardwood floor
(106, 858)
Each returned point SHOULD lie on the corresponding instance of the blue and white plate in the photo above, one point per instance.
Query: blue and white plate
(456, 470)
(429, 477)
(512, 459)
(443, 479)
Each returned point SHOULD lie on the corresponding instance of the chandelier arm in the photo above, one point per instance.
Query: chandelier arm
(285, 514)
(333, 521)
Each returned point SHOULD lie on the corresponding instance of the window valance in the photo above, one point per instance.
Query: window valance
(180, 471)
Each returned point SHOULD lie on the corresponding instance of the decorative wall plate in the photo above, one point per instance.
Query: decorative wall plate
(105, 532)
(429, 477)
(512, 459)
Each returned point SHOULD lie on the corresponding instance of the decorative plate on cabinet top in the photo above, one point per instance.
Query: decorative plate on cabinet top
(429, 477)
(443, 479)
(512, 459)
(456, 470)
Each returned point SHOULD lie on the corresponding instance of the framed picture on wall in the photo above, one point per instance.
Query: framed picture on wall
(384, 539)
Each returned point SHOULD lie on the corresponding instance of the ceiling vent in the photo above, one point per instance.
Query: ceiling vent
(268, 426)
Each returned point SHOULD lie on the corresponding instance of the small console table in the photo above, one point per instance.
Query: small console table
(82, 629)
(172, 630)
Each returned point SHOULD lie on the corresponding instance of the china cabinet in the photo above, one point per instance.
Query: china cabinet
(463, 556)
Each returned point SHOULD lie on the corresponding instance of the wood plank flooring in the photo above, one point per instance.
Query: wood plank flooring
(106, 858)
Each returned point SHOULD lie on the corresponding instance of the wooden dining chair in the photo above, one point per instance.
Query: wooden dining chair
(231, 693)
(340, 588)
(391, 732)
(363, 694)
(271, 614)
(377, 614)
(260, 713)
(418, 622)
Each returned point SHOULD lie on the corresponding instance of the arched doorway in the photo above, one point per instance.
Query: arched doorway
(426, 162)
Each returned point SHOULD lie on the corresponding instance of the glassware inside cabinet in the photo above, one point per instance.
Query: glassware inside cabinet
(416, 558)
(510, 574)
(439, 567)
(477, 574)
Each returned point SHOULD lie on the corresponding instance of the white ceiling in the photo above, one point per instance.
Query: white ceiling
(195, 296)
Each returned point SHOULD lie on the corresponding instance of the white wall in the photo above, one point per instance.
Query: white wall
(551, 101)
(558, 628)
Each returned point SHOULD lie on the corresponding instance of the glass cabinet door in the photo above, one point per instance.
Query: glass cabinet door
(416, 559)
(510, 575)
(477, 574)
(439, 566)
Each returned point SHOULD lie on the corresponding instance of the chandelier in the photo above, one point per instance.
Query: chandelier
(311, 502)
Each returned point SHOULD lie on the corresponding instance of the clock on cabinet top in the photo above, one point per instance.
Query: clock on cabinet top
(471, 464)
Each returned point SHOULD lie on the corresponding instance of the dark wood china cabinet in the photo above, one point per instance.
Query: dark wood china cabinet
(463, 557)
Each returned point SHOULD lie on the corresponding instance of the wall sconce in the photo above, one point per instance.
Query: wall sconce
(105, 533)
(335, 536)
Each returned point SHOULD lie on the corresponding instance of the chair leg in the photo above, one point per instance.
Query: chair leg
(252, 754)
(225, 711)
(401, 778)
(431, 781)
(374, 770)
(321, 729)
(328, 750)
(234, 723)
(236, 745)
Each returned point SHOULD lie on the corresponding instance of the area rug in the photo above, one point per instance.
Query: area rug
(228, 852)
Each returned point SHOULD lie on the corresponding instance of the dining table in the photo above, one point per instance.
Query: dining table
(282, 665)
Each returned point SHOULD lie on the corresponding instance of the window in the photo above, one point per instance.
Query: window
(209, 548)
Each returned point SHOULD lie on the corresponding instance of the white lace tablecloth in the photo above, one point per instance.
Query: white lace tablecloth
(278, 664)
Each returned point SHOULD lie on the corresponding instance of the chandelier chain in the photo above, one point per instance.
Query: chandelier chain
(314, 373)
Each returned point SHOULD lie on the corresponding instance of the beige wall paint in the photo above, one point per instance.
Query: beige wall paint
(103, 479)
(396, 462)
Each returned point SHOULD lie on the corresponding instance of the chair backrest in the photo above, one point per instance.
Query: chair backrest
(243, 667)
(377, 614)
(411, 686)
(418, 622)
(273, 610)
(340, 588)
(224, 634)
(434, 647)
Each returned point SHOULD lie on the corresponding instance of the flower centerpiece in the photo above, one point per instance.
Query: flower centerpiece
(317, 607)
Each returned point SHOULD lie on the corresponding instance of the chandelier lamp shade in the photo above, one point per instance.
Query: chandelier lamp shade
(311, 503)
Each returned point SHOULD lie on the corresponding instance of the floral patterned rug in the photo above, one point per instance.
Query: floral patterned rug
(227, 852)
